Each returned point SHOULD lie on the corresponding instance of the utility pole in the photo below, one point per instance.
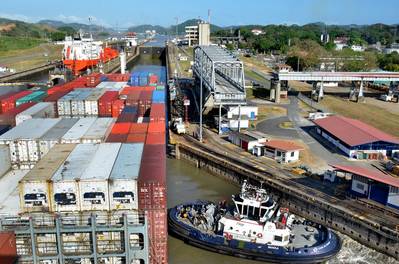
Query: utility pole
(200, 130)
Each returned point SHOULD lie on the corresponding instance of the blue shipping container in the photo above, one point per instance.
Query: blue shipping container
(158, 96)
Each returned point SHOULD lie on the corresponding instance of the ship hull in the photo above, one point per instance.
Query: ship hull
(267, 253)
(78, 66)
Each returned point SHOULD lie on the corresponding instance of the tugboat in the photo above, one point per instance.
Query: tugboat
(255, 227)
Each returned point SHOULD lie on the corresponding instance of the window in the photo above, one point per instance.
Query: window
(292, 154)
(394, 189)
(278, 238)
(359, 186)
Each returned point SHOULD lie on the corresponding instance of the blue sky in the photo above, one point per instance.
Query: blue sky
(223, 12)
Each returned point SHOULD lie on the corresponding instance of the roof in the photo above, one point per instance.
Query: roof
(370, 174)
(283, 145)
(353, 132)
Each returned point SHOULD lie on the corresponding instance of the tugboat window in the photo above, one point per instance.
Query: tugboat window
(278, 238)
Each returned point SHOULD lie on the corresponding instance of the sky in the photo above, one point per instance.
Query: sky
(125, 13)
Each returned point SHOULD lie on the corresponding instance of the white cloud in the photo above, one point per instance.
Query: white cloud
(20, 17)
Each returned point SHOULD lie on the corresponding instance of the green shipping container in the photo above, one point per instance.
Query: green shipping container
(160, 87)
(36, 97)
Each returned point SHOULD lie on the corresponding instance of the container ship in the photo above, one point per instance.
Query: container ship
(84, 171)
(82, 52)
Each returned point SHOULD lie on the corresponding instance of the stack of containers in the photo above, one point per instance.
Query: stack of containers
(91, 102)
(8, 103)
(143, 78)
(99, 131)
(134, 79)
(93, 79)
(75, 134)
(118, 77)
(112, 86)
(35, 188)
(152, 80)
(78, 102)
(105, 103)
(157, 126)
(152, 199)
(37, 96)
(65, 180)
(23, 141)
(137, 133)
(54, 97)
(145, 101)
(4, 97)
(64, 104)
(8, 118)
(54, 135)
(40, 110)
(117, 107)
(123, 178)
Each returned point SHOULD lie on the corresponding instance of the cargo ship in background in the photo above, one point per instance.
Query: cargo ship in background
(82, 52)
(86, 162)
(131, 39)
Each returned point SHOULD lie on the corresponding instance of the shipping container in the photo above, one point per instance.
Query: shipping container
(158, 96)
(158, 235)
(123, 178)
(156, 127)
(117, 107)
(152, 179)
(54, 135)
(157, 112)
(117, 77)
(8, 118)
(8, 248)
(93, 79)
(5, 161)
(23, 141)
(9, 103)
(91, 102)
(35, 188)
(5, 96)
(138, 128)
(40, 110)
(99, 131)
(121, 128)
(160, 87)
(129, 89)
(105, 103)
(64, 104)
(75, 134)
(93, 183)
(112, 86)
(78, 102)
(155, 138)
(54, 97)
(153, 79)
(36, 96)
(121, 138)
(136, 138)
(4, 128)
(65, 180)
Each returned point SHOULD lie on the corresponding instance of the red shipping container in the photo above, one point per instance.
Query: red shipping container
(117, 77)
(8, 248)
(158, 235)
(157, 112)
(136, 138)
(152, 195)
(157, 127)
(93, 79)
(129, 89)
(117, 107)
(121, 128)
(153, 79)
(9, 103)
(116, 138)
(105, 103)
(155, 139)
(9, 117)
(138, 128)
(5, 96)
(145, 97)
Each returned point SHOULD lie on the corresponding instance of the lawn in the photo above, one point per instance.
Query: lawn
(370, 114)
(17, 43)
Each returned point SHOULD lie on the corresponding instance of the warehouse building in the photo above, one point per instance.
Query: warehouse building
(357, 139)
(247, 140)
(371, 184)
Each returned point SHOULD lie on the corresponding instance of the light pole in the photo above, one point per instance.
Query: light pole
(200, 130)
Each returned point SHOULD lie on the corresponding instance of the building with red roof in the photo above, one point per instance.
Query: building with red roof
(357, 139)
(283, 151)
(371, 184)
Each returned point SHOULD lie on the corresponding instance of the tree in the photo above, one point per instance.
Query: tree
(308, 52)
(67, 30)
(58, 36)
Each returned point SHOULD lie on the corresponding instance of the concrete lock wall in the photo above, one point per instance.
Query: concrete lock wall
(365, 233)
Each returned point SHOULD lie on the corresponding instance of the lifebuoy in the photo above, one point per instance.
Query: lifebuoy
(259, 235)
(228, 236)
